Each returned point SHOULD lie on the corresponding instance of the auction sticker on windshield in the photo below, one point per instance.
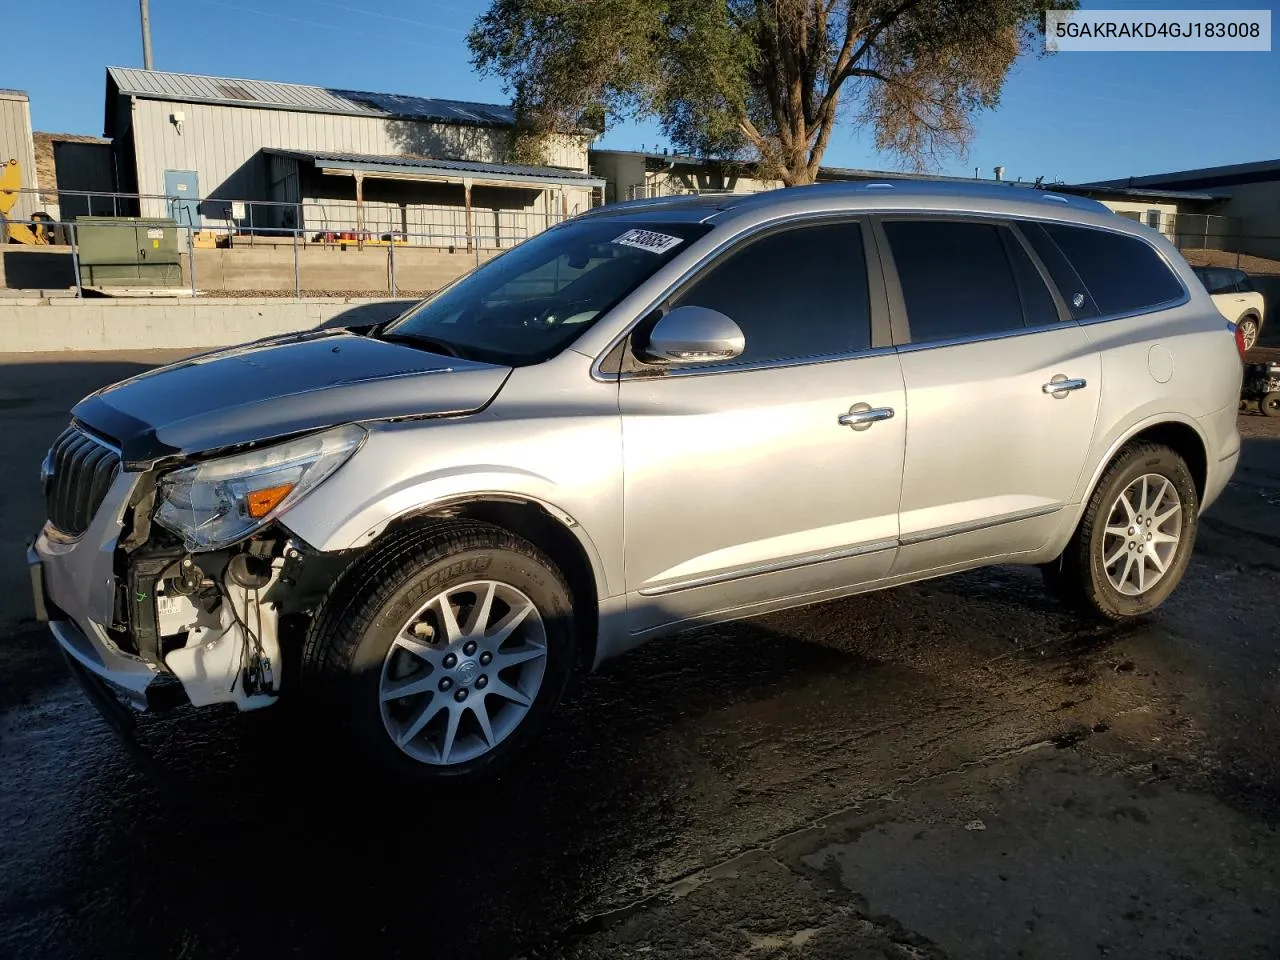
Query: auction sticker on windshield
(648, 240)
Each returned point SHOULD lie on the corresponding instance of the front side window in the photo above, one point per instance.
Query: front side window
(797, 293)
(957, 280)
(1124, 274)
(533, 301)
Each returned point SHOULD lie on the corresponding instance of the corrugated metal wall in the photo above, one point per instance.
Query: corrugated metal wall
(16, 144)
(223, 144)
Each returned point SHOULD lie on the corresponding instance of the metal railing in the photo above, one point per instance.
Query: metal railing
(318, 219)
(667, 188)
(404, 232)
(65, 265)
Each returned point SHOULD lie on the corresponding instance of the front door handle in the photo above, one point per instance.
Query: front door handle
(862, 415)
(1061, 385)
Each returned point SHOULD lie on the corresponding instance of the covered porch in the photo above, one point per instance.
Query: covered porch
(451, 204)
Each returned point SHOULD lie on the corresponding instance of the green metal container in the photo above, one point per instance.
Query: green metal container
(128, 252)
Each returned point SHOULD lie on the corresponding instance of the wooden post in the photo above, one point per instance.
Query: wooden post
(359, 177)
(466, 188)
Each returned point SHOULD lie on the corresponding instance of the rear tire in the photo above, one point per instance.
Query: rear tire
(1270, 404)
(429, 694)
(1135, 538)
(1249, 330)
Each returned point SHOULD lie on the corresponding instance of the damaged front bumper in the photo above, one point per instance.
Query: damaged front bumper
(108, 612)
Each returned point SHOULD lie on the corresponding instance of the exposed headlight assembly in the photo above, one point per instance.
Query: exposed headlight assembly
(214, 504)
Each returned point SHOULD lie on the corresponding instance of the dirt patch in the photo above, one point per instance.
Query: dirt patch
(1242, 261)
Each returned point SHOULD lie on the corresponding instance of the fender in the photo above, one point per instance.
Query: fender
(1076, 509)
(331, 531)
(561, 516)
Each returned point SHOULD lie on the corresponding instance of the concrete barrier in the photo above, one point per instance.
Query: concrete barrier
(62, 324)
(269, 266)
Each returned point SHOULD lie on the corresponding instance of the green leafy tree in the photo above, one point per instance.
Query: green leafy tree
(765, 80)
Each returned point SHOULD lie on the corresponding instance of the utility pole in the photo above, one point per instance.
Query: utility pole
(145, 10)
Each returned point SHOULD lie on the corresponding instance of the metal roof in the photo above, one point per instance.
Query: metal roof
(1231, 174)
(264, 94)
(1138, 193)
(449, 169)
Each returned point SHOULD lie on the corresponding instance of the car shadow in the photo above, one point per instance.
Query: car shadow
(367, 314)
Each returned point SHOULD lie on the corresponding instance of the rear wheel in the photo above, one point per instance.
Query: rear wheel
(1270, 404)
(444, 650)
(1249, 329)
(1136, 536)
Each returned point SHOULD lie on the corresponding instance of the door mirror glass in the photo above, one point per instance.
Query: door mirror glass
(694, 335)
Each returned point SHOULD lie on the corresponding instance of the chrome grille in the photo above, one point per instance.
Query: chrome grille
(77, 474)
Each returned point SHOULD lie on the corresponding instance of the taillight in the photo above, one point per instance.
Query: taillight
(1240, 344)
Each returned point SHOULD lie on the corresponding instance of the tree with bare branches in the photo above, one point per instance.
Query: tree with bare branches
(761, 80)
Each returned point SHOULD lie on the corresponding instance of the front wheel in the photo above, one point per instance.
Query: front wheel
(1270, 404)
(445, 649)
(1135, 539)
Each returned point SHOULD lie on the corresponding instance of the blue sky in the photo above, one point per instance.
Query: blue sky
(1072, 116)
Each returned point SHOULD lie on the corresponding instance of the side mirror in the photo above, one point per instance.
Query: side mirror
(694, 335)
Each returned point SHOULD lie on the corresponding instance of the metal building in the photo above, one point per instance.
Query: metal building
(16, 144)
(333, 161)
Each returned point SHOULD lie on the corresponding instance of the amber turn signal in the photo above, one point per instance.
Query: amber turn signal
(262, 502)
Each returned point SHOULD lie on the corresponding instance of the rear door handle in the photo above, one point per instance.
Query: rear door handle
(1060, 386)
(862, 415)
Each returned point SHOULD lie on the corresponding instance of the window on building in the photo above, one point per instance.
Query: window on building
(1153, 219)
(798, 293)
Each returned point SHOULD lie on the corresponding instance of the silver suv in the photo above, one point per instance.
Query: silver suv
(653, 416)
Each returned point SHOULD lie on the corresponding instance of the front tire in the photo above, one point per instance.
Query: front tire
(444, 650)
(1135, 539)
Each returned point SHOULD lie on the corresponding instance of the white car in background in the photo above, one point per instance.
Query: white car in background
(1234, 295)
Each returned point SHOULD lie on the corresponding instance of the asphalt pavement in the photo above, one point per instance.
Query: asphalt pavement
(958, 769)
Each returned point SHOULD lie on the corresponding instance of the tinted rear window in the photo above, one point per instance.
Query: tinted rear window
(1243, 283)
(1122, 273)
(1064, 275)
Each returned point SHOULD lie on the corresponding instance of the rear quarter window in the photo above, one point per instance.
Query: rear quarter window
(1123, 274)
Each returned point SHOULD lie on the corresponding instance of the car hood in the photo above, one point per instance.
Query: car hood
(282, 386)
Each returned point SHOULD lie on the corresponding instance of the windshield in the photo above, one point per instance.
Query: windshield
(530, 303)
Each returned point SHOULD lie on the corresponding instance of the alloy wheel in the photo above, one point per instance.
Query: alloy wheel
(1249, 333)
(463, 672)
(1143, 533)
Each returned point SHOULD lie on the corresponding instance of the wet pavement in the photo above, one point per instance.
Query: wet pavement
(956, 769)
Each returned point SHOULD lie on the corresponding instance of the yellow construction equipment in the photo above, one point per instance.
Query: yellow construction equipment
(10, 183)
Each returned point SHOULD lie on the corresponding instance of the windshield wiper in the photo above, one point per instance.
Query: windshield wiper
(430, 344)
